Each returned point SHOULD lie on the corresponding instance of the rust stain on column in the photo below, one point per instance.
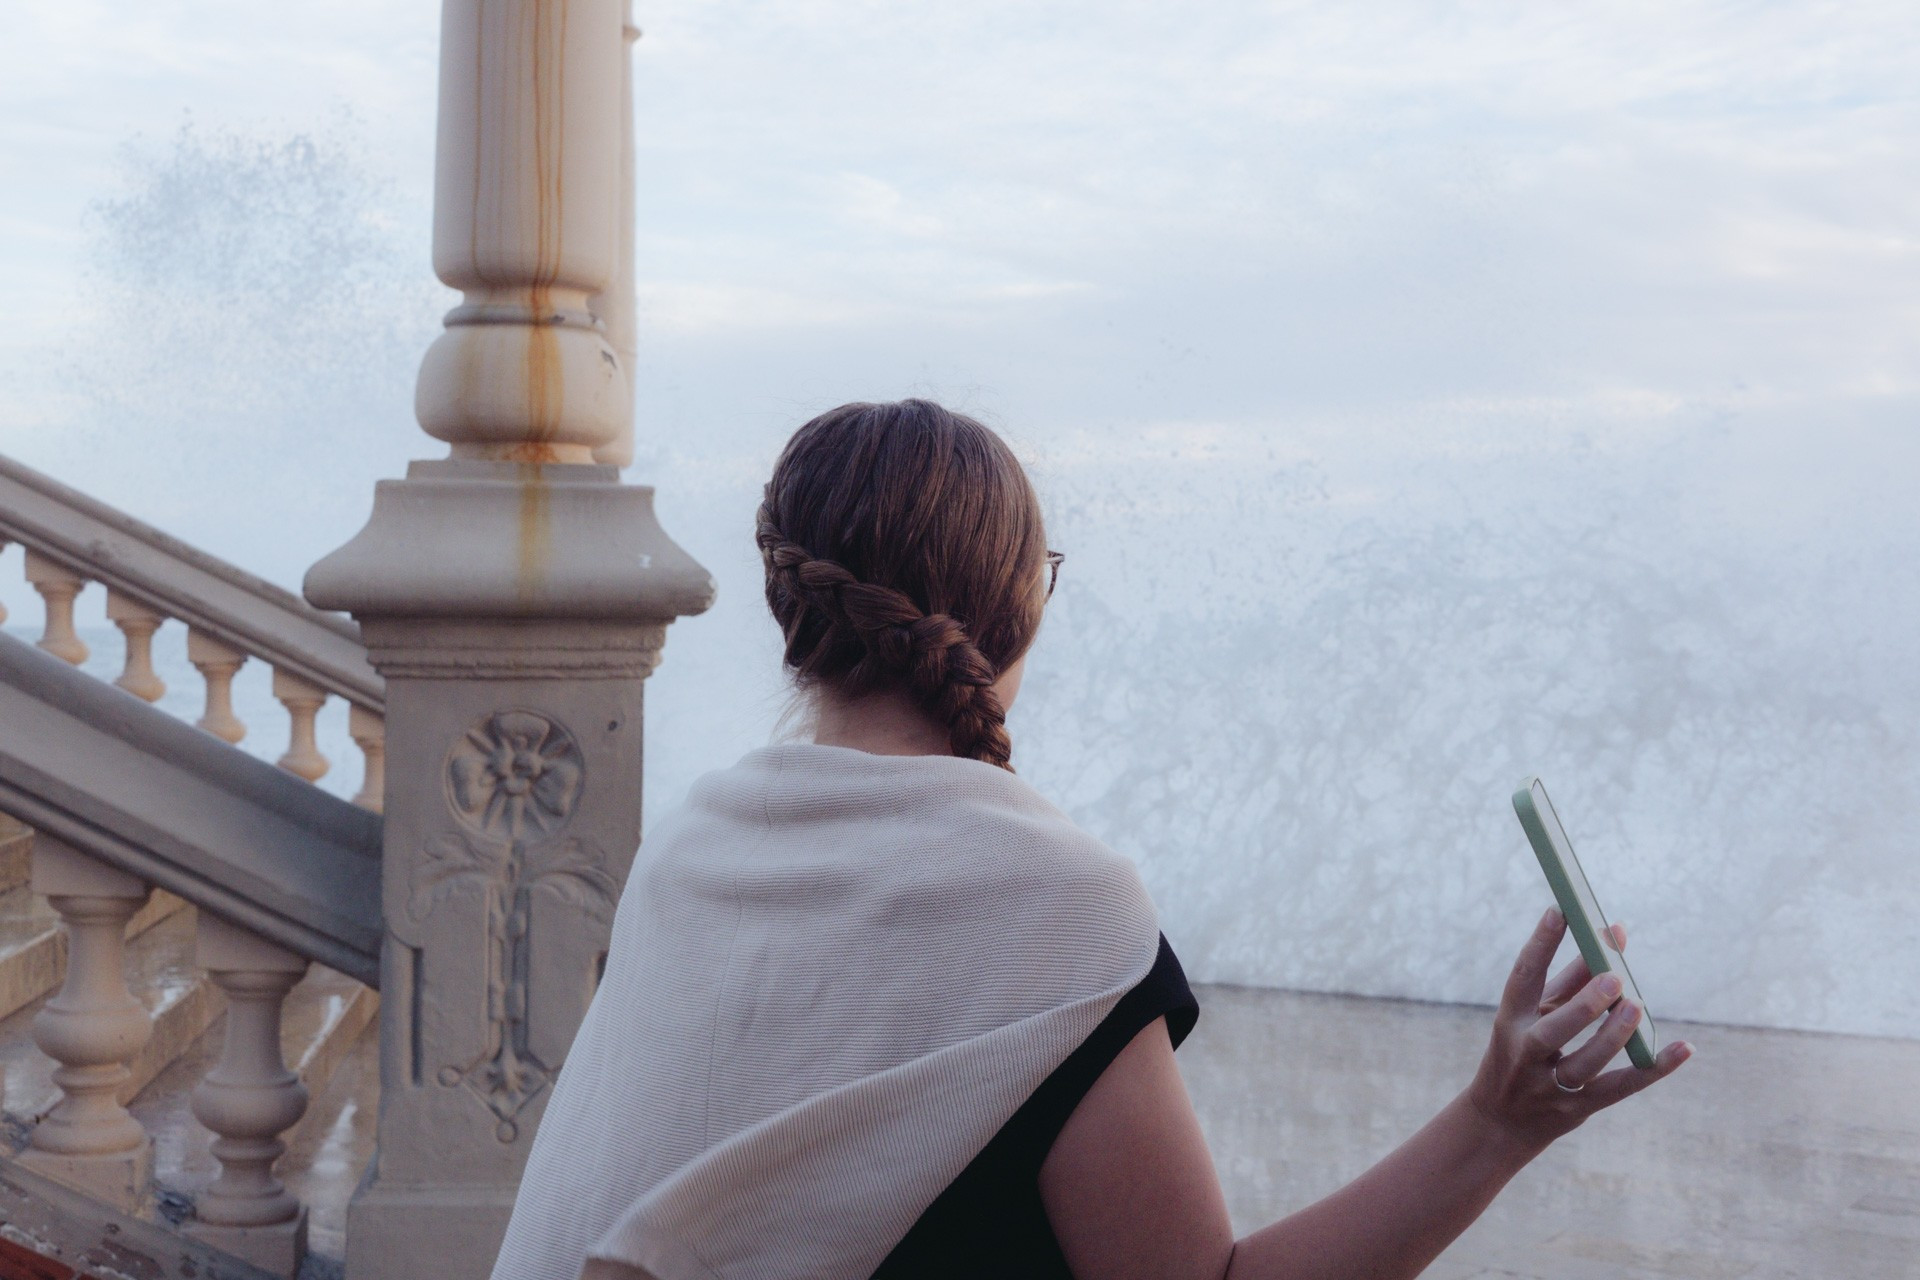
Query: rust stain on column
(545, 392)
(536, 529)
(545, 383)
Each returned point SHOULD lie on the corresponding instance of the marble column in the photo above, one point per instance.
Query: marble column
(615, 304)
(515, 595)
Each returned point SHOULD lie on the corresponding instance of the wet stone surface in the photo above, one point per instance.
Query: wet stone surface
(1772, 1155)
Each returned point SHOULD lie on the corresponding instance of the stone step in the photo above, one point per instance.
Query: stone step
(333, 1145)
(16, 852)
(162, 973)
(33, 947)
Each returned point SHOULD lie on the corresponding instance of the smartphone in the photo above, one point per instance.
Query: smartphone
(1582, 910)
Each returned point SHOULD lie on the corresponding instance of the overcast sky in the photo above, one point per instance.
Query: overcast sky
(1364, 234)
(1078, 213)
(1238, 279)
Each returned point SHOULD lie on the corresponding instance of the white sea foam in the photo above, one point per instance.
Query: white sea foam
(1299, 657)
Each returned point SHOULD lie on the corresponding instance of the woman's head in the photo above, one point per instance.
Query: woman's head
(904, 550)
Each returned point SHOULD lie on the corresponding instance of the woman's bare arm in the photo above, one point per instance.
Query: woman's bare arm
(1131, 1191)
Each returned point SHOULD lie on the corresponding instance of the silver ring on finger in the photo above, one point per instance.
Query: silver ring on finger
(1563, 1086)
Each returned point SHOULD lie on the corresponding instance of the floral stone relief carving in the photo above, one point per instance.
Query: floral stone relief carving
(513, 782)
(516, 774)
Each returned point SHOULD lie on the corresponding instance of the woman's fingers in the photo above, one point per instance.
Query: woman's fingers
(1524, 984)
(1564, 984)
(1575, 975)
(1553, 1031)
(1624, 1082)
(1591, 1058)
(1530, 1037)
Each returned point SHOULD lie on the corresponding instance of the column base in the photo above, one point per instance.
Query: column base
(460, 538)
(279, 1248)
(123, 1179)
(403, 1232)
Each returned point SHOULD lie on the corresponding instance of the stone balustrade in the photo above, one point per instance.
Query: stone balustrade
(123, 801)
(93, 1027)
(231, 617)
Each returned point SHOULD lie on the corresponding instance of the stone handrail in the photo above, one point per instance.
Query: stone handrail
(231, 615)
(180, 581)
(133, 788)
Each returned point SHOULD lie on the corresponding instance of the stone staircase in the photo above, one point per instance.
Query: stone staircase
(508, 597)
(328, 1037)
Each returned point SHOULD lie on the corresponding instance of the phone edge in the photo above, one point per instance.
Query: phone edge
(1639, 1052)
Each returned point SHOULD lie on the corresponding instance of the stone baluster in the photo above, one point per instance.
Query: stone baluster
(515, 657)
(303, 700)
(57, 585)
(369, 731)
(217, 665)
(93, 1027)
(248, 1100)
(137, 623)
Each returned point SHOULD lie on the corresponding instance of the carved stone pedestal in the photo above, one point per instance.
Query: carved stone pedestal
(513, 813)
(514, 595)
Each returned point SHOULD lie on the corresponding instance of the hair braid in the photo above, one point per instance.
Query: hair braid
(903, 546)
(930, 653)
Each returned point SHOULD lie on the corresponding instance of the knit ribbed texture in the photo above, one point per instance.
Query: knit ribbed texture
(833, 977)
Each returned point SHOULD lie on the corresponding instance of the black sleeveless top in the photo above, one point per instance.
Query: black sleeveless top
(990, 1220)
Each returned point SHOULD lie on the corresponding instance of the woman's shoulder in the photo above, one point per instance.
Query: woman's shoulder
(800, 784)
(915, 829)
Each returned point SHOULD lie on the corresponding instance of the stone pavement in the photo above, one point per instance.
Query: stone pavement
(1772, 1155)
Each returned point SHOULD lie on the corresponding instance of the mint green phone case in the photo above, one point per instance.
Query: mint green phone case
(1581, 908)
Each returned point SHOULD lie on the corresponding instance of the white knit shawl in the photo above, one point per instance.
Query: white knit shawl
(833, 977)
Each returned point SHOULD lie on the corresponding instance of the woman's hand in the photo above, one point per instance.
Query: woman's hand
(1130, 1189)
(1515, 1089)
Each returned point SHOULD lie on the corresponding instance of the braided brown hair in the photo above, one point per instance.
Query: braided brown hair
(903, 547)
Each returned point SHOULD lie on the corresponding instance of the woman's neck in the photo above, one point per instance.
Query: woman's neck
(881, 724)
